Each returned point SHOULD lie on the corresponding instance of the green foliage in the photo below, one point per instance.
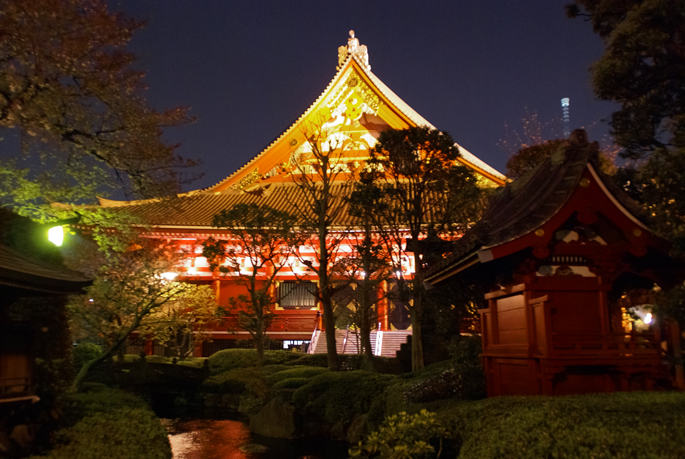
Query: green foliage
(184, 323)
(262, 238)
(419, 194)
(340, 396)
(527, 158)
(296, 372)
(85, 352)
(27, 237)
(231, 359)
(643, 68)
(347, 361)
(233, 381)
(194, 362)
(404, 436)
(620, 425)
(109, 423)
(290, 383)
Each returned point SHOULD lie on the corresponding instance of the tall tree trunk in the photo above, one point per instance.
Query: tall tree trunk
(329, 325)
(259, 341)
(326, 300)
(417, 307)
(416, 341)
(365, 330)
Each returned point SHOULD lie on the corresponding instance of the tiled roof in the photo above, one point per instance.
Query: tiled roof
(197, 211)
(18, 270)
(530, 201)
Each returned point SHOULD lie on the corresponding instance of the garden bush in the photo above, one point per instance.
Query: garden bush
(237, 381)
(404, 436)
(340, 396)
(290, 383)
(461, 382)
(85, 352)
(109, 423)
(348, 362)
(295, 372)
(619, 425)
(231, 359)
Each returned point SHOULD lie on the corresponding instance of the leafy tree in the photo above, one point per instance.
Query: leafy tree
(418, 192)
(261, 241)
(367, 267)
(69, 86)
(322, 181)
(129, 289)
(643, 69)
(183, 324)
(527, 158)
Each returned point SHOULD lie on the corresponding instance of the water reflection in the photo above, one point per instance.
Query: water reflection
(208, 439)
(223, 439)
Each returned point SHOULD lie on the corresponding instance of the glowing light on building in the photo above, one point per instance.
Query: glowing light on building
(169, 276)
(565, 102)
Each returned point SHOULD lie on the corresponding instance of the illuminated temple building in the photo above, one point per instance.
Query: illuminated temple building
(355, 106)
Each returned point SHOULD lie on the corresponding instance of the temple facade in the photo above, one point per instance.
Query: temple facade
(349, 115)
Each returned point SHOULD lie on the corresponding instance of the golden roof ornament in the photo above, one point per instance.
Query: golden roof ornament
(355, 49)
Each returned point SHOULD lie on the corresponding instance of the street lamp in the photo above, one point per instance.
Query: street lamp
(56, 232)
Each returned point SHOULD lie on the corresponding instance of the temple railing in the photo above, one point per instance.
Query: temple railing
(605, 344)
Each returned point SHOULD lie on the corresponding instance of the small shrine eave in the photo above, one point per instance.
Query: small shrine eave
(523, 214)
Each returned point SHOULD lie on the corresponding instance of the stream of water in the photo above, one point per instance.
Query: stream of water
(197, 438)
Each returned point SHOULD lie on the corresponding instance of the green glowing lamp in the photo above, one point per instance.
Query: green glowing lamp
(56, 235)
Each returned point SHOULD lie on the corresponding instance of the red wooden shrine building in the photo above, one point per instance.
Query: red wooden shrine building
(559, 249)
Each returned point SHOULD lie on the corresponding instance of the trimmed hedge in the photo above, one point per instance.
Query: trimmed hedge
(237, 381)
(290, 383)
(340, 396)
(109, 424)
(350, 362)
(230, 359)
(295, 372)
(620, 425)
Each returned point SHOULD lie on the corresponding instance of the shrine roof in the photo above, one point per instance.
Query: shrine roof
(527, 203)
(18, 270)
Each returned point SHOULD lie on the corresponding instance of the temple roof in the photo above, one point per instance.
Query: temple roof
(197, 210)
(356, 104)
(18, 270)
(532, 200)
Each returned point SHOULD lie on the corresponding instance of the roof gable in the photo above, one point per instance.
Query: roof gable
(528, 212)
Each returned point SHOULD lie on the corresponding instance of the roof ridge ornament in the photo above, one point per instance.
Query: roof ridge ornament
(356, 50)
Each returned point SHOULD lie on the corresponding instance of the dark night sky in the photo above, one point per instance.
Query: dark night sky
(248, 69)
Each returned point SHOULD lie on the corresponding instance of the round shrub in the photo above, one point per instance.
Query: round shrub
(340, 396)
(230, 359)
(85, 352)
(238, 381)
(109, 423)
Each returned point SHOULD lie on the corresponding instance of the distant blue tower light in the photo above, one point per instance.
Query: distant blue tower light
(565, 102)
